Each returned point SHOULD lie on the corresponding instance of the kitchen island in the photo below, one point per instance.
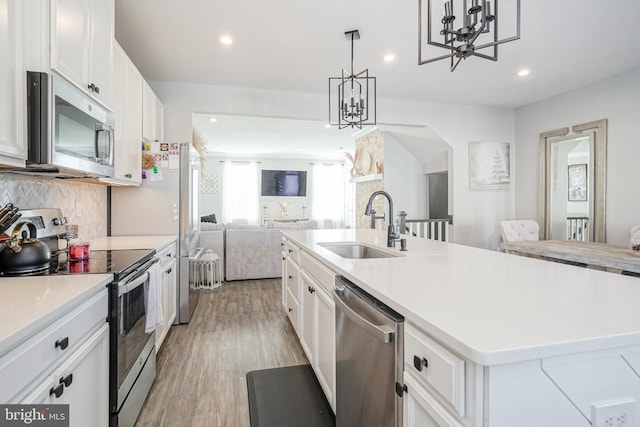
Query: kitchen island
(525, 341)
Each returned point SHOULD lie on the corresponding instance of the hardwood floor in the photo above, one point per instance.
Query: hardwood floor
(201, 366)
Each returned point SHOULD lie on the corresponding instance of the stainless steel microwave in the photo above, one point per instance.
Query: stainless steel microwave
(76, 139)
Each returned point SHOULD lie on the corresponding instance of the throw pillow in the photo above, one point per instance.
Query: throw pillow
(209, 218)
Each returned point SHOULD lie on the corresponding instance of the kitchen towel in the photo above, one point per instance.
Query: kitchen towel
(154, 299)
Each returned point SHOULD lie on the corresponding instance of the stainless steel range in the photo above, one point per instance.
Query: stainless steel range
(132, 352)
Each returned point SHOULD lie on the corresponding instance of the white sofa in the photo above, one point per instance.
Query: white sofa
(249, 251)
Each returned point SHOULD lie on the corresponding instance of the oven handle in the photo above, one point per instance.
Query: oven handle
(125, 288)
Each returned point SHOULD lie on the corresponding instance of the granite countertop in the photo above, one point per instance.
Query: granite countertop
(132, 242)
(490, 307)
(30, 303)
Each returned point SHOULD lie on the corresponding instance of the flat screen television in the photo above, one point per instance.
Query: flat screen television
(284, 183)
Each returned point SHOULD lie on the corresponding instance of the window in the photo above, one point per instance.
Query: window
(327, 197)
(240, 192)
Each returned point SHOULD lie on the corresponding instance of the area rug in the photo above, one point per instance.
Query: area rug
(287, 397)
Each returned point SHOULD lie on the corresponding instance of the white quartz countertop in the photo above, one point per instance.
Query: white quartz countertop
(490, 307)
(29, 303)
(131, 242)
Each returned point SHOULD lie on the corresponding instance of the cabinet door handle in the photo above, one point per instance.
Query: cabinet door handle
(310, 289)
(91, 87)
(63, 343)
(419, 363)
(169, 271)
(290, 309)
(57, 390)
(97, 89)
(67, 380)
(290, 250)
(128, 175)
(290, 276)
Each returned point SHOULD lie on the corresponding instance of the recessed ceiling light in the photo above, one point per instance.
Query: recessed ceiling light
(524, 72)
(390, 57)
(226, 40)
(213, 119)
(327, 125)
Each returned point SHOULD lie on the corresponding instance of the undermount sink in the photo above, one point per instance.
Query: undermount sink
(356, 251)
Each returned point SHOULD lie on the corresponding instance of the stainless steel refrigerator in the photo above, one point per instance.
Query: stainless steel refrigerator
(167, 206)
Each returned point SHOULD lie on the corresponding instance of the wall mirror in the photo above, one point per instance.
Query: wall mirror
(573, 182)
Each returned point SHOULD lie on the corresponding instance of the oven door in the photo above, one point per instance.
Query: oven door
(129, 339)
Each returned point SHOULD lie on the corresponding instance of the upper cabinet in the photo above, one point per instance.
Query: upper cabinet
(82, 39)
(152, 115)
(127, 110)
(12, 142)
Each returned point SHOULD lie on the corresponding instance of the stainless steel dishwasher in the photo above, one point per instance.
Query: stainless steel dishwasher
(369, 357)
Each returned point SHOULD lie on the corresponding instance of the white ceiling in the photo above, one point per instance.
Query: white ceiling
(296, 45)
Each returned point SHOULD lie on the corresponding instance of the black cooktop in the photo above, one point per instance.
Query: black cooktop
(119, 263)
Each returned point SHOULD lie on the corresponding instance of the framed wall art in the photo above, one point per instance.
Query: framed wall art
(489, 165)
(577, 182)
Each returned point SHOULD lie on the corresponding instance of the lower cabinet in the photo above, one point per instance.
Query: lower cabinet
(169, 276)
(325, 344)
(317, 332)
(421, 408)
(307, 323)
(65, 362)
(81, 382)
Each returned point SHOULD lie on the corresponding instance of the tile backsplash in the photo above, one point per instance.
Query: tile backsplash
(82, 204)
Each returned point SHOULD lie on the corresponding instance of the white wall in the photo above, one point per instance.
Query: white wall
(475, 212)
(212, 202)
(401, 168)
(616, 99)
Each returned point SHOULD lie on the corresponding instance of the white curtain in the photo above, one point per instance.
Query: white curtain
(327, 196)
(240, 192)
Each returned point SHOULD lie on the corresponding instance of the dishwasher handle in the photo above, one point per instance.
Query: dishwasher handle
(383, 333)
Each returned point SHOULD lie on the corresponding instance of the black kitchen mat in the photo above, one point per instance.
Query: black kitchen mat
(287, 397)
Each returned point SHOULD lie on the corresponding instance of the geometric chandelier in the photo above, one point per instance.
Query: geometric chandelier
(352, 97)
(478, 29)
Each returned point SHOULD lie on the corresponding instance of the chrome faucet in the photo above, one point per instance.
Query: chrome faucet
(392, 234)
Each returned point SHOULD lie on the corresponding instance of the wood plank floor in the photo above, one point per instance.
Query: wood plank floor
(201, 366)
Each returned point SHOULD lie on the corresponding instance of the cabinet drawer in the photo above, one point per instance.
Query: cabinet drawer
(35, 356)
(293, 311)
(437, 367)
(292, 251)
(423, 408)
(166, 254)
(292, 277)
(322, 274)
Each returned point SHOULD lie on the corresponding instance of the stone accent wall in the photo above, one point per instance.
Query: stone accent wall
(28, 192)
(373, 144)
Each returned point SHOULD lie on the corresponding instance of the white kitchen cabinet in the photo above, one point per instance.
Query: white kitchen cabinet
(81, 382)
(167, 256)
(308, 287)
(127, 110)
(290, 286)
(325, 343)
(317, 332)
(13, 150)
(421, 409)
(307, 311)
(82, 37)
(152, 115)
(67, 362)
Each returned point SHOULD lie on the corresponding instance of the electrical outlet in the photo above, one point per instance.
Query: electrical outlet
(614, 413)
